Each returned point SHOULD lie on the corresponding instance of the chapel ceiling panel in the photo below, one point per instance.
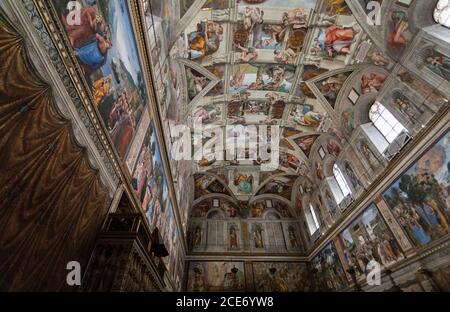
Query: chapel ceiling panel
(275, 63)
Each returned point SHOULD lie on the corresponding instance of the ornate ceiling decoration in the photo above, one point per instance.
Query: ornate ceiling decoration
(275, 63)
(310, 68)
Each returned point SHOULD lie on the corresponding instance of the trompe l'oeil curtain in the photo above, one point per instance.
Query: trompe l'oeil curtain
(51, 202)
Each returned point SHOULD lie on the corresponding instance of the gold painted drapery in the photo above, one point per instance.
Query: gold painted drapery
(52, 203)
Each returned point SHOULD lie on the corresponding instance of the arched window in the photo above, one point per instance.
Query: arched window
(312, 220)
(341, 181)
(442, 13)
(385, 122)
(338, 185)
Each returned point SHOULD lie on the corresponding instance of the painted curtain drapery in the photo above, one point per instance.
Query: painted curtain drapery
(52, 202)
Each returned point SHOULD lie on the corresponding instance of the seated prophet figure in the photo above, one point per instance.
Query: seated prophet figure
(397, 37)
(336, 39)
(205, 40)
(372, 83)
(307, 119)
(330, 88)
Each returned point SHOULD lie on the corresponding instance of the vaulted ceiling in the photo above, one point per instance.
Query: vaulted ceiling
(275, 63)
(310, 69)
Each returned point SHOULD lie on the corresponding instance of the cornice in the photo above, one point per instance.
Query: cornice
(246, 257)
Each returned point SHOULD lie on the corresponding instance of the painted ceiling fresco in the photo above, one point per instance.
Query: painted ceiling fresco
(327, 95)
(268, 62)
(303, 77)
(307, 67)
